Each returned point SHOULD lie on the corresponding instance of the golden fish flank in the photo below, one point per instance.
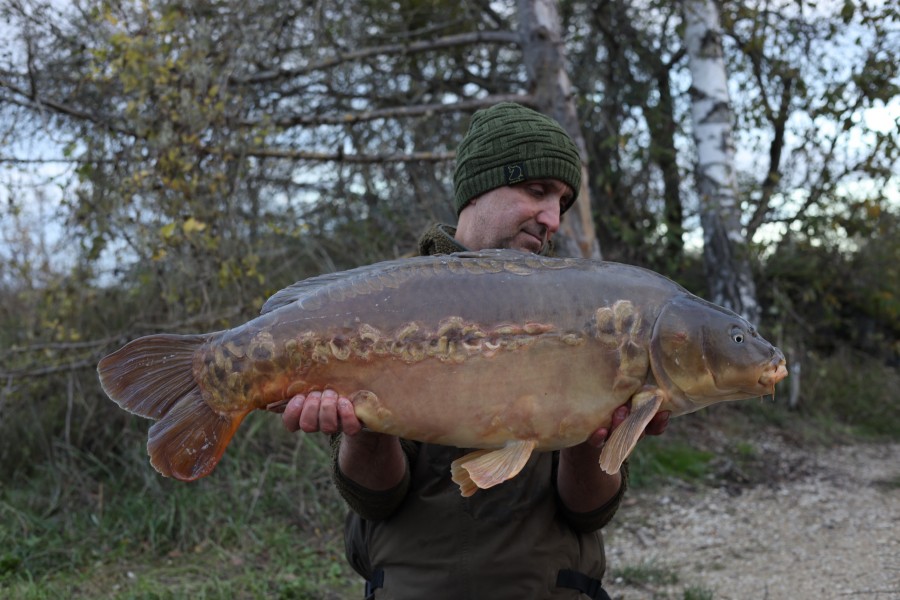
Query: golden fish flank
(453, 340)
(224, 378)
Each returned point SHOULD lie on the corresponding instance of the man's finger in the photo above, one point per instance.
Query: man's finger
(291, 415)
(598, 438)
(349, 422)
(658, 423)
(619, 415)
(328, 413)
(309, 416)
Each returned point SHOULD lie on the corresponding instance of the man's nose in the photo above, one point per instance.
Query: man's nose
(549, 217)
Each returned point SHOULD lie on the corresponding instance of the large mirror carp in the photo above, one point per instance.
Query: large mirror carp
(499, 351)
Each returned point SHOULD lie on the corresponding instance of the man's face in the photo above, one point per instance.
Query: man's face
(521, 217)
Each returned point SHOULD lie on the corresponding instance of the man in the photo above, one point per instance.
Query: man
(410, 533)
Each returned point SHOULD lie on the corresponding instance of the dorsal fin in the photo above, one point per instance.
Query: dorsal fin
(383, 274)
(344, 281)
(301, 289)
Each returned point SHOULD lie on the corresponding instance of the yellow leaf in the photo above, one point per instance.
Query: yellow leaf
(192, 225)
(167, 231)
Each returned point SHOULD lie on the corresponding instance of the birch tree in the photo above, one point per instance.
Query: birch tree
(551, 87)
(725, 249)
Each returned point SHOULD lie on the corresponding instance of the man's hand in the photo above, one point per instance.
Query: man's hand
(321, 411)
(373, 460)
(656, 426)
(583, 486)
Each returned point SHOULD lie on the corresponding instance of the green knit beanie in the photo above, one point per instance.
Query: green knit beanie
(509, 143)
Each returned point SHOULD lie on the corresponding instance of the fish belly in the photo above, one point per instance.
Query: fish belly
(550, 393)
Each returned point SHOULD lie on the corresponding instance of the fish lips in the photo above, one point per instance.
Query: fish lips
(776, 372)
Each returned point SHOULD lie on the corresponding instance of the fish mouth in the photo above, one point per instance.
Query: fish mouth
(773, 374)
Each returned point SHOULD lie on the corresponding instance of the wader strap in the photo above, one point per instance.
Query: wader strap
(574, 580)
(373, 584)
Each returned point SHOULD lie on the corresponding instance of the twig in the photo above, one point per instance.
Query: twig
(350, 158)
(404, 48)
(400, 111)
(41, 371)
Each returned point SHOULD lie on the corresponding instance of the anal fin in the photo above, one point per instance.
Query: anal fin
(483, 469)
(623, 439)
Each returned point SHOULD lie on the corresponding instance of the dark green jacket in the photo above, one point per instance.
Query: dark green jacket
(509, 541)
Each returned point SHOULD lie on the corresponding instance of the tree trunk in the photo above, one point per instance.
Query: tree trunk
(551, 88)
(725, 250)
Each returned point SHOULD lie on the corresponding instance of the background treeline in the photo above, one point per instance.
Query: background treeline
(166, 166)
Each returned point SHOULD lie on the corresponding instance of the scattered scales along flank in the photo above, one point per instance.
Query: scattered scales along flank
(499, 351)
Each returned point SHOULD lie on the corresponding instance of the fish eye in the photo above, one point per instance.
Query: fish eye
(737, 335)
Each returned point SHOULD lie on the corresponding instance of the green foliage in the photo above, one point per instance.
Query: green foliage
(657, 459)
(891, 484)
(857, 303)
(261, 526)
(697, 593)
(646, 573)
(653, 577)
(853, 391)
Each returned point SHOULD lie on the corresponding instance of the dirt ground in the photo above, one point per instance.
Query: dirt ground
(791, 524)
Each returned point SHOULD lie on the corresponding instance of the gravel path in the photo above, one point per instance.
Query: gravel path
(812, 527)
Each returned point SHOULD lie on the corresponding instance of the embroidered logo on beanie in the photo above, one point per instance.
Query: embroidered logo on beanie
(516, 173)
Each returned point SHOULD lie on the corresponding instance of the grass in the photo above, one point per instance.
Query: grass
(890, 484)
(259, 527)
(645, 574)
(660, 580)
(697, 593)
(659, 458)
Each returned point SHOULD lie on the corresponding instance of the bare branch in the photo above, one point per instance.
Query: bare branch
(60, 346)
(395, 112)
(400, 111)
(51, 370)
(463, 39)
(37, 102)
(350, 158)
(40, 161)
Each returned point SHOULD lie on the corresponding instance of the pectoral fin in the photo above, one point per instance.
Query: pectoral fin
(624, 438)
(486, 468)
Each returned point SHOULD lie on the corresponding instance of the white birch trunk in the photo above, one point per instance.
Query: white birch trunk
(544, 58)
(725, 251)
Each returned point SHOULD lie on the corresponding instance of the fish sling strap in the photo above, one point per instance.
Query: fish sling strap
(573, 580)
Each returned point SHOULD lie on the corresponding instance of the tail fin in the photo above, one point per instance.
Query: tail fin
(153, 377)
(191, 438)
